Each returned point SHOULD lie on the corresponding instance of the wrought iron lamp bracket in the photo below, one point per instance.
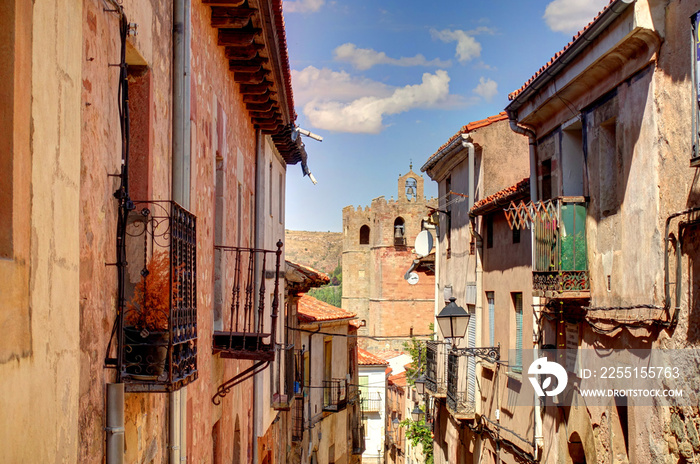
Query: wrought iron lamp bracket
(488, 353)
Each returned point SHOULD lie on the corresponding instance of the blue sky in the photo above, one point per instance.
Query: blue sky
(388, 82)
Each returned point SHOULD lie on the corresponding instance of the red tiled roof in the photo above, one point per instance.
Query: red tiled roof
(513, 95)
(301, 278)
(516, 189)
(312, 310)
(365, 358)
(399, 379)
(468, 128)
(356, 323)
(388, 354)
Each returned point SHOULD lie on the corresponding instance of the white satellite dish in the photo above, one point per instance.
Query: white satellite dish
(413, 278)
(424, 243)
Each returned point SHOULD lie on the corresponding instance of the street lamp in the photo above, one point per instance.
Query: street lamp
(453, 321)
(419, 383)
(416, 414)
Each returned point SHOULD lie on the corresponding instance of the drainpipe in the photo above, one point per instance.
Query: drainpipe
(115, 423)
(259, 243)
(532, 142)
(180, 184)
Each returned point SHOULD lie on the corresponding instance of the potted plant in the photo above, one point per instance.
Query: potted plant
(146, 319)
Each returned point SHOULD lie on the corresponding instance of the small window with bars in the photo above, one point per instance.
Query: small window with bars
(517, 363)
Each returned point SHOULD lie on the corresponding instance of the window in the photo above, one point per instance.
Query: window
(517, 364)
(695, 72)
(492, 317)
(364, 235)
(516, 235)
(448, 217)
(489, 231)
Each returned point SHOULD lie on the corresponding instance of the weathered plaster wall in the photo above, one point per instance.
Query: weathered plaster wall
(40, 386)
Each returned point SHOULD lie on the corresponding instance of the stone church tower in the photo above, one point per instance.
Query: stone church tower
(378, 245)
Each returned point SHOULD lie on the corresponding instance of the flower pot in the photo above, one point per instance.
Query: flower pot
(145, 357)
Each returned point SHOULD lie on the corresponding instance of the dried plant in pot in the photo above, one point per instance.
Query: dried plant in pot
(146, 319)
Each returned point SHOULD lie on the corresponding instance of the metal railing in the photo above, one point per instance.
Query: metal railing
(334, 395)
(560, 262)
(254, 270)
(298, 418)
(435, 367)
(157, 322)
(372, 403)
(457, 396)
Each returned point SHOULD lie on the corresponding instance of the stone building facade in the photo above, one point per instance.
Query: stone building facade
(378, 245)
(207, 120)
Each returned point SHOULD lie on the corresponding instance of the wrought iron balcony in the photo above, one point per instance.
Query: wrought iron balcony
(373, 403)
(436, 368)
(335, 395)
(298, 418)
(358, 439)
(560, 267)
(254, 270)
(157, 323)
(460, 405)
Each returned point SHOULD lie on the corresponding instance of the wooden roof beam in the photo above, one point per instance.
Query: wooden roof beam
(231, 17)
(238, 37)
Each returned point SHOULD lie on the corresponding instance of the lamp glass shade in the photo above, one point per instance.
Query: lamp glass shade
(420, 385)
(453, 320)
(395, 425)
(416, 414)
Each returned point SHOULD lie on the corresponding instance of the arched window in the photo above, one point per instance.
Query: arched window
(399, 232)
(364, 235)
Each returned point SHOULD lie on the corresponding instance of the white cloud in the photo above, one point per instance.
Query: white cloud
(365, 58)
(468, 47)
(303, 6)
(324, 84)
(365, 114)
(487, 89)
(570, 16)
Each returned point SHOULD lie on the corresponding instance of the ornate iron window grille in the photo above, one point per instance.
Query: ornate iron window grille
(457, 396)
(436, 367)
(157, 320)
(334, 395)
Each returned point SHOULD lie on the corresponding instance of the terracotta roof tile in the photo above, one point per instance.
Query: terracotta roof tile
(284, 55)
(365, 358)
(513, 95)
(312, 310)
(399, 379)
(513, 190)
(301, 278)
(468, 128)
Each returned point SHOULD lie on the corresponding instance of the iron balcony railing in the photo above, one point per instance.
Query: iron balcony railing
(255, 273)
(358, 439)
(457, 397)
(157, 322)
(436, 366)
(373, 402)
(298, 418)
(560, 267)
(335, 395)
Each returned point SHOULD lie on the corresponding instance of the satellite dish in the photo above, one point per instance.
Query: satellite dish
(424, 243)
(412, 278)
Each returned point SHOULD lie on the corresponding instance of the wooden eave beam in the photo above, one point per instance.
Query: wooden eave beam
(238, 37)
(251, 78)
(265, 106)
(262, 98)
(249, 66)
(232, 3)
(243, 52)
(230, 17)
(256, 89)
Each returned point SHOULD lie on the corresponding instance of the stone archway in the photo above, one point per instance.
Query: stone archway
(580, 440)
